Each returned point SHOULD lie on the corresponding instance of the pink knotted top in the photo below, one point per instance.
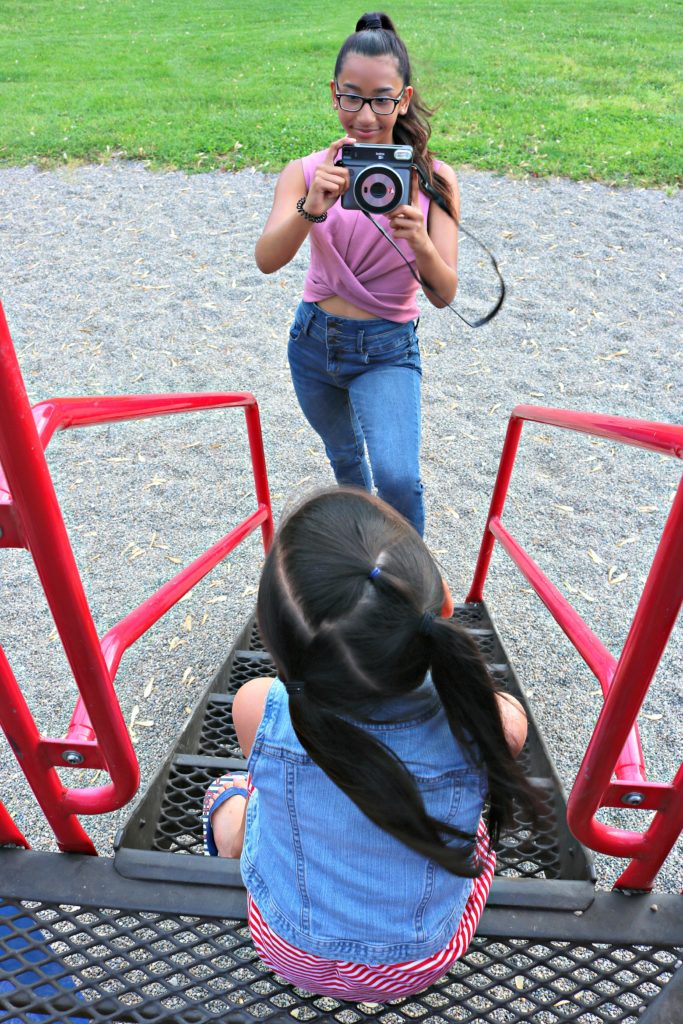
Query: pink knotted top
(351, 259)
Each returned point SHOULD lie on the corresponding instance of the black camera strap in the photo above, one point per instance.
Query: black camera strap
(440, 201)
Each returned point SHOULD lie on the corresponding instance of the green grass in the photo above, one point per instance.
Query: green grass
(587, 89)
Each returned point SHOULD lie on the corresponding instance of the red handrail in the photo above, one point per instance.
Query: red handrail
(30, 517)
(614, 747)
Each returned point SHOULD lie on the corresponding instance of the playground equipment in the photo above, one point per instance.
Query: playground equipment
(157, 934)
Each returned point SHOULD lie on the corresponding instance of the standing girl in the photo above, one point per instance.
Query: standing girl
(353, 349)
(363, 849)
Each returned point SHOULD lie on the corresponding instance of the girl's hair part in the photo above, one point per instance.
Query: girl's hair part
(376, 36)
(351, 637)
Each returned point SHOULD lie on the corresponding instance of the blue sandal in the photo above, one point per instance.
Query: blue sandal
(218, 792)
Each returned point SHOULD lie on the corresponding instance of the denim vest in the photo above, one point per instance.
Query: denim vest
(328, 880)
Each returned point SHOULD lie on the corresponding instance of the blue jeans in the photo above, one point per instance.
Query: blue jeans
(358, 384)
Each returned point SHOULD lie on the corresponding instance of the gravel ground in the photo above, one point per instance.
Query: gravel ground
(118, 280)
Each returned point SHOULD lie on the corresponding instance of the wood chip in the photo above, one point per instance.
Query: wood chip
(647, 508)
(187, 623)
(614, 576)
(519, 983)
(148, 689)
(626, 540)
(613, 355)
(172, 558)
(564, 508)
(653, 718)
(176, 642)
(594, 556)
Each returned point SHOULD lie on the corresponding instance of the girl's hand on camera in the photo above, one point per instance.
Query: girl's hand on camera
(408, 222)
(330, 181)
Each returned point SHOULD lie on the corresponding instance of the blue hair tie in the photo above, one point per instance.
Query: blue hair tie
(374, 573)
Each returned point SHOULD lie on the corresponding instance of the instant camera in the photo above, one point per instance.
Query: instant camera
(380, 177)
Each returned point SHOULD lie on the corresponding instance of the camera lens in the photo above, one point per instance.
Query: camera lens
(378, 189)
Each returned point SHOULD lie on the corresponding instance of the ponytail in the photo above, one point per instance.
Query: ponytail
(468, 694)
(376, 36)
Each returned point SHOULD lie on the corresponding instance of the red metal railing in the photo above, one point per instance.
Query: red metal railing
(30, 517)
(614, 748)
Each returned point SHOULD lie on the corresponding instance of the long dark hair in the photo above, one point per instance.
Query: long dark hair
(344, 637)
(376, 36)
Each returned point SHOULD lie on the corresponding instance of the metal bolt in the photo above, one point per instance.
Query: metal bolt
(633, 799)
(72, 757)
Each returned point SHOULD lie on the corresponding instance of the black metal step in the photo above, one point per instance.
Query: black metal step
(168, 818)
(522, 853)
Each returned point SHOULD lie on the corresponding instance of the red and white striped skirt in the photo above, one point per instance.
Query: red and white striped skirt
(363, 983)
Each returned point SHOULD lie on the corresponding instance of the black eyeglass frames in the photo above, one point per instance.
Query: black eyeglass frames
(381, 105)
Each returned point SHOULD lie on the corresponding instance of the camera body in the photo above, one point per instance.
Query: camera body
(380, 176)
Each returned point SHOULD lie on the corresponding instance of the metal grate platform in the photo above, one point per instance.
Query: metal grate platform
(77, 963)
(154, 936)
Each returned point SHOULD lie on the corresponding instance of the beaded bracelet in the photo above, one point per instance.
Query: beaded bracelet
(309, 216)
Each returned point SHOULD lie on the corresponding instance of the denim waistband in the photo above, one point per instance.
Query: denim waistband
(328, 327)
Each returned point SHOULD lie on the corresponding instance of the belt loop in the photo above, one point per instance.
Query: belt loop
(310, 315)
(359, 340)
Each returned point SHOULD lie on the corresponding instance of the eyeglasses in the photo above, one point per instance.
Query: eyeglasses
(381, 105)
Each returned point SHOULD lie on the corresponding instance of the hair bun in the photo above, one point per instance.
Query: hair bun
(374, 21)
